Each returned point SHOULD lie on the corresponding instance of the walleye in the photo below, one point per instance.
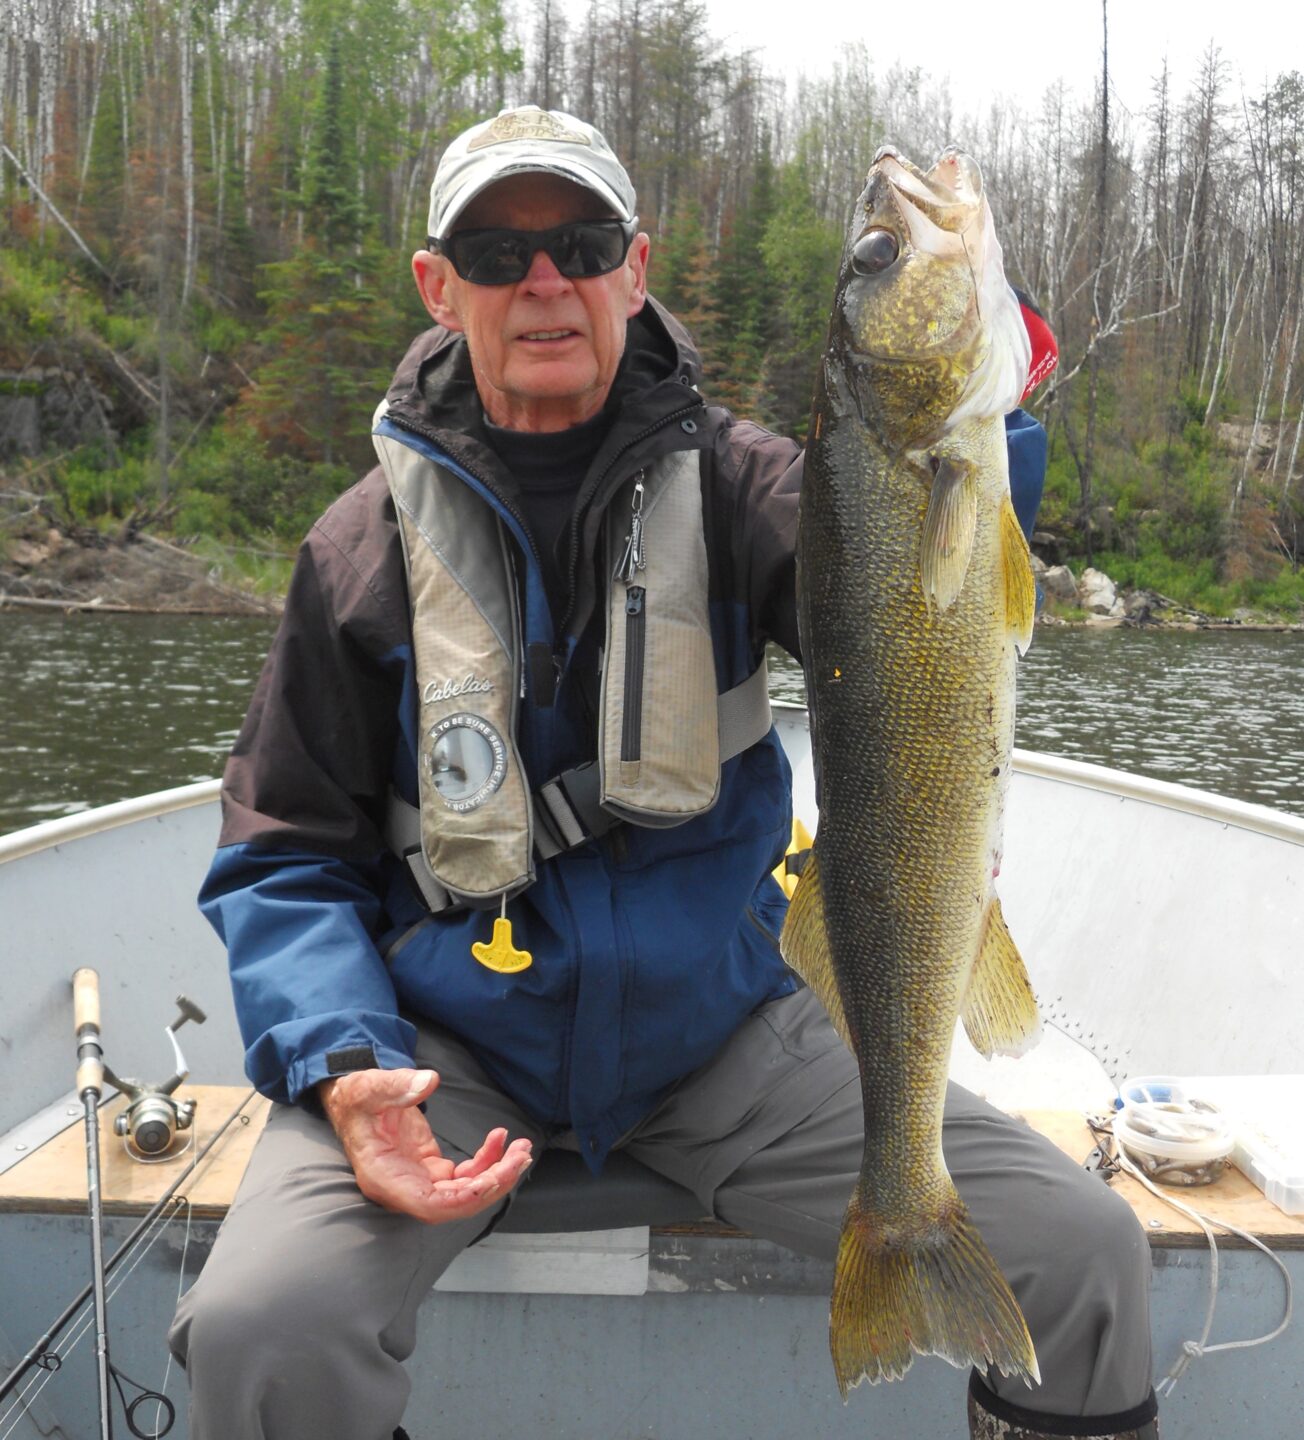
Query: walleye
(915, 590)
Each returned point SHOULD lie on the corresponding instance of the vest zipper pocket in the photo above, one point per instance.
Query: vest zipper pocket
(631, 725)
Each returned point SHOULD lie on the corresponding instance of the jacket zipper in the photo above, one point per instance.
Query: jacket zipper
(590, 491)
(631, 724)
(633, 560)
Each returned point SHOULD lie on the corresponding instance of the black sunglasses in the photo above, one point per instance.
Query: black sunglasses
(579, 250)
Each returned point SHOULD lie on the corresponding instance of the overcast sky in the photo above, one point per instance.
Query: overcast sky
(1019, 49)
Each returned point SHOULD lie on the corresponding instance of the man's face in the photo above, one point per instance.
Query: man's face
(544, 350)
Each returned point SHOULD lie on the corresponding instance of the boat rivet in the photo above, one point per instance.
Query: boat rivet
(20, 1146)
(72, 1110)
(1154, 1224)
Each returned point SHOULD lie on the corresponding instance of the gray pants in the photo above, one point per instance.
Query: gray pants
(306, 1309)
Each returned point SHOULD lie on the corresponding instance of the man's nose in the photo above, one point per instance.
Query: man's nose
(543, 277)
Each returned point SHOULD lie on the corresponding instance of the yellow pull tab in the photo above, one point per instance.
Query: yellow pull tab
(499, 954)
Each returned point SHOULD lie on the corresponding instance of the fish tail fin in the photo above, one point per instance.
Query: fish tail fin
(1000, 1010)
(934, 1291)
(804, 944)
(1020, 587)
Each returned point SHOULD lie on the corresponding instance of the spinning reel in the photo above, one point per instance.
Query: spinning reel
(152, 1117)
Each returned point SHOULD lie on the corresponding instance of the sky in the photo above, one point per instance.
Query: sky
(1019, 50)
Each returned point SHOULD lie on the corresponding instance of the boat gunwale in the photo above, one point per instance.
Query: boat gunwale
(1203, 804)
(49, 834)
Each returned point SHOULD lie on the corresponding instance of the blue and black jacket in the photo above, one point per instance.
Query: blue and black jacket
(649, 946)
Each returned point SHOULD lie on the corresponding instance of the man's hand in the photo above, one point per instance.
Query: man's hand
(397, 1159)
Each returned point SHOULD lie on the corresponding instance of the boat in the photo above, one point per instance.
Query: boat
(1162, 929)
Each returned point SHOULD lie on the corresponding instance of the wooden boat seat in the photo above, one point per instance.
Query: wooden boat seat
(52, 1180)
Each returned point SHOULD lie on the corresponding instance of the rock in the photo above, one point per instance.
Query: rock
(1049, 547)
(1098, 593)
(1242, 616)
(25, 553)
(1038, 566)
(1059, 584)
(1140, 606)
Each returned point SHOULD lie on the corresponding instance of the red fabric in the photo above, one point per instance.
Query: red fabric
(1045, 351)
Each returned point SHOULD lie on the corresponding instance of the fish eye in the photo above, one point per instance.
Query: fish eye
(874, 252)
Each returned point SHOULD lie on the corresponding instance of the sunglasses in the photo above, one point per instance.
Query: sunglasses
(497, 256)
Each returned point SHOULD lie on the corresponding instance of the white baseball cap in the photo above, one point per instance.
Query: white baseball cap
(520, 140)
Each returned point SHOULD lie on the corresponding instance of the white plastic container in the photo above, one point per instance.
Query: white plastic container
(1173, 1136)
(1266, 1113)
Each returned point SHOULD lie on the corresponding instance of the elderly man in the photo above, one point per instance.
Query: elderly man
(501, 820)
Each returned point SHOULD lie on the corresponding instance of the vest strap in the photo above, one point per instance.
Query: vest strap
(567, 808)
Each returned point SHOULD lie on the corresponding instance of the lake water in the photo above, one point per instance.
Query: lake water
(97, 708)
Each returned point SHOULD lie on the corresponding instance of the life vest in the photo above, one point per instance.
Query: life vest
(664, 731)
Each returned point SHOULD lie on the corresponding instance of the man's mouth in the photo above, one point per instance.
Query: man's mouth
(547, 334)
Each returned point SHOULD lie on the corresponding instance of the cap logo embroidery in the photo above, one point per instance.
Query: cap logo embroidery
(520, 125)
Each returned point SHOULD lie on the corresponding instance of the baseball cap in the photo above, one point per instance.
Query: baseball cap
(523, 139)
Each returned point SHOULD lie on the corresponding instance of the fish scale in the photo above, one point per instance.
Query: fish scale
(915, 592)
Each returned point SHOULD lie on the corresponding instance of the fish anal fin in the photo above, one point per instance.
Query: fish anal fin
(1000, 1010)
(936, 1290)
(949, 526)
(1016, 570)
(805, 944)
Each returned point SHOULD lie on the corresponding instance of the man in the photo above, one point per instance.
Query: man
(501, 820)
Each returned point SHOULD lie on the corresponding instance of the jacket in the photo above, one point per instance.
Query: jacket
(650, 946)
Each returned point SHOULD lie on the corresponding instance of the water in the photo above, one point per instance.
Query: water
(97, 708)
(1221, 711)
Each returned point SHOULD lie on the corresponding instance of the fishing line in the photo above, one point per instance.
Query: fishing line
(41, 1354)
(49, 1361)
(1193, 1349)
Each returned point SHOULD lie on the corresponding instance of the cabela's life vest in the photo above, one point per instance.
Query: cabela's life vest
(664, 731)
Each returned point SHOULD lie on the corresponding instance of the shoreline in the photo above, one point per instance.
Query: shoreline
(141, 574)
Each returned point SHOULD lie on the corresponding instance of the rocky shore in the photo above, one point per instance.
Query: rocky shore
(47, 568)
(1092, 598)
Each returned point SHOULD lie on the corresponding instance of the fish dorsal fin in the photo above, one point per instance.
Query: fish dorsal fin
(949, 526)
(1020, 587)
(1000, 1011)
(805, 944)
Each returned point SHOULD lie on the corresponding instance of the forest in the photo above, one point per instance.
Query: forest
(207, 209)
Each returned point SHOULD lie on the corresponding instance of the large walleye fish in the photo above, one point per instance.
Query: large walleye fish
(915, 591)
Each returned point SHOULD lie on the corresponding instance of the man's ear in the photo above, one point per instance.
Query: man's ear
(636, 263)
(433, 274)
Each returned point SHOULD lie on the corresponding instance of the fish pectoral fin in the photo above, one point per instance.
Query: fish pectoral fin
(1020, 587)
(804, 944)
(949, 526)
(1000, 1010)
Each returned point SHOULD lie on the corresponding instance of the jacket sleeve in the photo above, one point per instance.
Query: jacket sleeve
(295, 889)
(766, 470)
(762, 472)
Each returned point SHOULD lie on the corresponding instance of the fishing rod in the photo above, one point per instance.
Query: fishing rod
(38, 1351)
(90, 1082)
(148, 1126)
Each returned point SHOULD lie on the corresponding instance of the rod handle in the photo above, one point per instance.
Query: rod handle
(86, 999)
(86, 1017)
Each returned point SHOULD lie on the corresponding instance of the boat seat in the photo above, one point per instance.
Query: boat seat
(561, 1197)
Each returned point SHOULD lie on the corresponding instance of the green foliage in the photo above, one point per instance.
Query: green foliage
(801, 251)
(94, 488)
(234, 486)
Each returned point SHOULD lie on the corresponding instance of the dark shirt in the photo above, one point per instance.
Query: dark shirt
(549, 469)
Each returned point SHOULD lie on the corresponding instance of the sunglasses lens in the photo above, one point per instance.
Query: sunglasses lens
(502, 257)
(490, 257)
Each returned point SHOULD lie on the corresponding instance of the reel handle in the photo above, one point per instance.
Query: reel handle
(86, 1019)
